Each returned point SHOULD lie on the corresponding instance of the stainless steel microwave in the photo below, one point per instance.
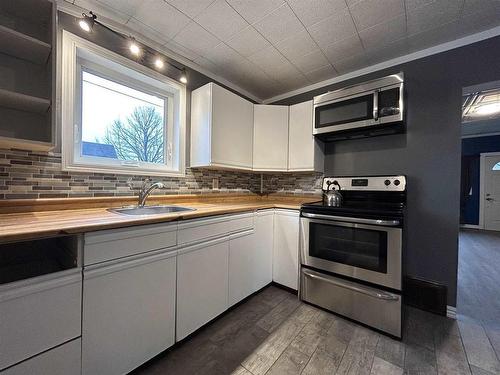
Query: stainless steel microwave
(368, 106)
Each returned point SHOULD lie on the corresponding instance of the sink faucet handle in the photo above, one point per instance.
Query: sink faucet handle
(130, 184)
(145, 183)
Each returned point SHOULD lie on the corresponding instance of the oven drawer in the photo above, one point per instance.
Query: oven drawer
(373, 307)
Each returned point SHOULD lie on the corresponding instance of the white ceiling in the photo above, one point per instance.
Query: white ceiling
(269, 47)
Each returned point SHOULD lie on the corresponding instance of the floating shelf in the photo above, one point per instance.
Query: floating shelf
(25, 144)
(22, 102)
(23, 46)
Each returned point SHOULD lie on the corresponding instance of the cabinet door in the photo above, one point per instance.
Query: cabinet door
(270, 148)
(250, 259)
(286, 248)
(202, 284)
(305, 153)
(232, 129)
(128, 313)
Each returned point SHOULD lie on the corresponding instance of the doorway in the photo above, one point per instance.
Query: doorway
(478, 284)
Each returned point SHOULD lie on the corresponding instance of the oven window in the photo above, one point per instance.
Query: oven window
(363, 248)
(351, 110)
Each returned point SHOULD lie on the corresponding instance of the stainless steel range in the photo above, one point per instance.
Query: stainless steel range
(351, 256)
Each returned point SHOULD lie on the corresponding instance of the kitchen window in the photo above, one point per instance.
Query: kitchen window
(117, 115)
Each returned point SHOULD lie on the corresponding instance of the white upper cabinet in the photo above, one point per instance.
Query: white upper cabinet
(221, 129)
(305, 153)
(270, 146)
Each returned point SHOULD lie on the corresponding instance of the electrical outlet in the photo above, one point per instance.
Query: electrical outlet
(215, 184)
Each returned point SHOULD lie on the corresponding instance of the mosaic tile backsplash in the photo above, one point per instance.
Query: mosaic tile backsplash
(28, 175)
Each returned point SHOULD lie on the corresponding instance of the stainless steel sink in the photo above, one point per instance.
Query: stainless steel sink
(149, 210)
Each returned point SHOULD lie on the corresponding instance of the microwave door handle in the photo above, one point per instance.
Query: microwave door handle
(375, 105)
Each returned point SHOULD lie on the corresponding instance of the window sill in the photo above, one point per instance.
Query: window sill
(123, 171)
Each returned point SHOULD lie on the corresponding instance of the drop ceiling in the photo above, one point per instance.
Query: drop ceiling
(269, 47)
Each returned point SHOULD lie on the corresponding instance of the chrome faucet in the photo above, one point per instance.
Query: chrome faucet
(146, 189)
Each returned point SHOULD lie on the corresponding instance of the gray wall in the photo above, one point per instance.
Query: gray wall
(428, 153)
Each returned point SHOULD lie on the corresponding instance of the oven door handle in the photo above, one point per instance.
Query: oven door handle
(368, 292)
(359, 220)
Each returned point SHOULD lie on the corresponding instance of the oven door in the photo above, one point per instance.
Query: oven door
(350, 112)
(367, 252)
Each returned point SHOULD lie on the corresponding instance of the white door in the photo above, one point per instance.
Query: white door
(270, 146)
(300, 137)
(202, 284)
(128, 313)
(492, 192)
(286, 248)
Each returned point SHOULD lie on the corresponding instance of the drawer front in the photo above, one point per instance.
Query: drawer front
(194, 231)
(39, 316)
(373, 307)
(63, 360)
(118, 243)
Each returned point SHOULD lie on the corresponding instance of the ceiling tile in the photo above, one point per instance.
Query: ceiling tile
(267, 58)
(221, 20)
(343, 49)
(222, 55)
(279, 24)
(206, 64)
(248, 41)
(146, 32)
(444, 33)
(293, 82)
(387, 52)
(332, 29)
(191, 7)
(254, 10)
(482, 20)
(162, 17)
(321, 74)
(181, 50)
(368, 13)
(475, 6)
(196, 38)
(124, 6)
(297, 45)
(351, 64)
(313, 11)
(311, 61)
(104, 10)
(384, 33)
(432, 15)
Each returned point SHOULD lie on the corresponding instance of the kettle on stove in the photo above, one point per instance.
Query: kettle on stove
(333, 198)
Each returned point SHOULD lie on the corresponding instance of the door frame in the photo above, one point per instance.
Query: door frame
(482, 172)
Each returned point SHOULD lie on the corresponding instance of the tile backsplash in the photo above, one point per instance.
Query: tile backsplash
(26, 174)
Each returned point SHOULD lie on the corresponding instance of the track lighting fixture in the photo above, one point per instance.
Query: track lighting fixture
(183, 78)
(87, 21)
(134, 47)
(159, 63)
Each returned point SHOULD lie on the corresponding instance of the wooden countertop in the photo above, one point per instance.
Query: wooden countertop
(69, 218)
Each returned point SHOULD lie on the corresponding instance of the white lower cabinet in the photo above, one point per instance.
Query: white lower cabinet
(128, 312)
(62, 360)
(202, 284)
(38, 314)
(286, 248)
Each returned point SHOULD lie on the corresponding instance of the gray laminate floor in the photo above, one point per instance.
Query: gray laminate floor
(273, 333)
(479, 276)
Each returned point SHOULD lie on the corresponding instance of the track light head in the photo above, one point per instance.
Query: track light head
(183, 77)
(134, 47)
(87, 21)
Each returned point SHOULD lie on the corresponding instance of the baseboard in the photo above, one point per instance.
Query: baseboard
(287, 288)
(470, 226)
(451, 312)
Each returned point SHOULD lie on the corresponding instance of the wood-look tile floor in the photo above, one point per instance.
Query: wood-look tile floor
(273, 333)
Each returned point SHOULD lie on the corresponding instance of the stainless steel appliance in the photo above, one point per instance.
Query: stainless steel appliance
(361, 110)
(351, 256)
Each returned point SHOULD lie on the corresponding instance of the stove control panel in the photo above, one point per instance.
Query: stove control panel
(374, 183)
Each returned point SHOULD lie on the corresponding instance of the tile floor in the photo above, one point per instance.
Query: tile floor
(274, 333)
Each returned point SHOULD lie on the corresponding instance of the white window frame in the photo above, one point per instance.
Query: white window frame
(79, 54)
